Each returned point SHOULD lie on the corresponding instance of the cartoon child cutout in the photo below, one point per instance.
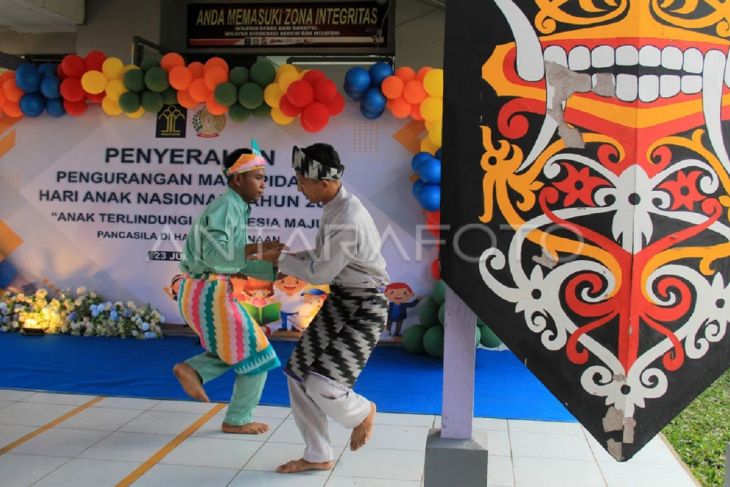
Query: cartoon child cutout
(313, 300)
(259, 293)
(398, 295)
(286, 290)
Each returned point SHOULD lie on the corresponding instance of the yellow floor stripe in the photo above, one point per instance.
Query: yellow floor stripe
(174, 443)
(50, 425)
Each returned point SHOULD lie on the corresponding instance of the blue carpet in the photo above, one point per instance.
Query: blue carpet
(397, 381)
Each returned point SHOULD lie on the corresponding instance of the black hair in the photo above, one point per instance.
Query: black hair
(233, 157)
(325, 154)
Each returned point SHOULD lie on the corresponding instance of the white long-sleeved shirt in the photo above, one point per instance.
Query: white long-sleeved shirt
(347, 248)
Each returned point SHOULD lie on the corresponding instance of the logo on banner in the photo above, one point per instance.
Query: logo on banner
(171, 122)
(207, 125)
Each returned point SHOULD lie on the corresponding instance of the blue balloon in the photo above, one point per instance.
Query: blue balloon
(372, 115)
(54, 107)
(47, 69)
(28, 78)
(50, 87)
(430, 197)
(418, 159)
(380, 71)
(430, 171)
(357, 80)
(417, 187)
(32, 104)
(373, 100)
(354, 94)
(438, 155)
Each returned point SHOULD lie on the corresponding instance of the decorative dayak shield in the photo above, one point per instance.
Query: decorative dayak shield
(586, 190)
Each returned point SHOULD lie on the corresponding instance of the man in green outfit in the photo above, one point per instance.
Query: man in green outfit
(215, 250)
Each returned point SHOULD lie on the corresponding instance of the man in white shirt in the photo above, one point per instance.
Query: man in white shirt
(333, 350)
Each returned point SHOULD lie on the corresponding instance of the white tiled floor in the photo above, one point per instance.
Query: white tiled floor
(102, 444)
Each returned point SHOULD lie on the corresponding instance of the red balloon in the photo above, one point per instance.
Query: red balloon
(325, 90)
(300, 93)
(313, 75)
(59, 71)
(433, 217)
(94, 60)
(75, 108)
(288, 108)
(436, 269)
(95, 98)
(73, 66)
(315, 117)
(336, 105)
(72, 90)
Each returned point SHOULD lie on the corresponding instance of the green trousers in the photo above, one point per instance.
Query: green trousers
(246, 390)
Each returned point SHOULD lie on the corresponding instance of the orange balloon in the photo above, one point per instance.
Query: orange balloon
(213, 107)
(414, 92)
(180, 77)
(405, 73)
(400, 108)
(12, 92)
(3, 99)
(184, 99)
(216, 62)
(416, 113)
(198, 90)
(170, 60)
(12, 109)
(422, 72)
(6, 76)
(215, 76)
(197, 69)
(392, 87)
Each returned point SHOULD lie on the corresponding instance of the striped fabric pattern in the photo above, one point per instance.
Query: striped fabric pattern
(340, 339)
(225, 328)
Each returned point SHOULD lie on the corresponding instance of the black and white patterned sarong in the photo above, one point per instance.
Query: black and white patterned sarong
(340, 339)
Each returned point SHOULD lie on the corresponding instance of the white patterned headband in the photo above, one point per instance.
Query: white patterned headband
(312, 168)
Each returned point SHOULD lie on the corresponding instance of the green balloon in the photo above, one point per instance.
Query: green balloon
(442, 314)
(263, 110)
(238, 113)
(478, 336)
(129, 102)
(263, 72)
(250, 95)
(238, 75)
(439, 292)
(169, 96)
(134, 80)
(488, 338)
(433, 341)
(226, 94)
(149, 63)
(156, 80)
(429, 313)
(413, 339)
(152, 102)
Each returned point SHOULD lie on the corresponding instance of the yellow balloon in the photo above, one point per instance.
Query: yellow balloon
(136, 114)
(272, 95)
(285, 68)
(434, 83)
(288, 78)
(280, 118)
(129, 67)
(113, 68)
(115, 88)
(93, 82)
(111, 106)
(428, 146)
(434, 133)
(432, 109)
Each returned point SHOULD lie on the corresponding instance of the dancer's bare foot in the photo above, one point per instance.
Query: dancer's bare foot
(245, 429)
(362, 432)
(302, 465)
(190, 382)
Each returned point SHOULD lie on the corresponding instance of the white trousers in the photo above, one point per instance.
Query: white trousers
(312, 401)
